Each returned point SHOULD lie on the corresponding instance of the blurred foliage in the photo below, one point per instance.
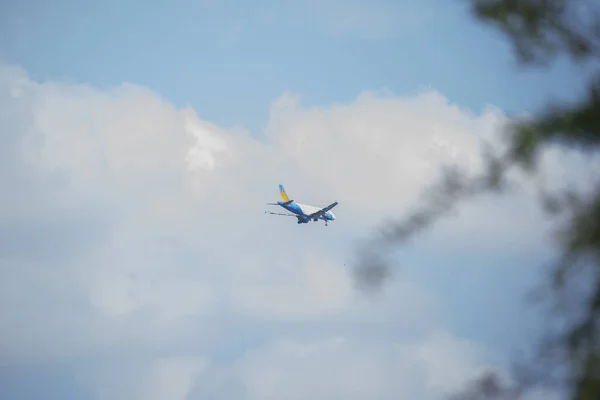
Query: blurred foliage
(541, 31)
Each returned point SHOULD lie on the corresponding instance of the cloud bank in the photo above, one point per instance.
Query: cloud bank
(137, 262)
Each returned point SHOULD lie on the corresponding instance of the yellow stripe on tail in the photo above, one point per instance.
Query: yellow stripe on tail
(283, 194)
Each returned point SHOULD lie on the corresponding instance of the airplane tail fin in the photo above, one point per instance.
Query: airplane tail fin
(283, 194)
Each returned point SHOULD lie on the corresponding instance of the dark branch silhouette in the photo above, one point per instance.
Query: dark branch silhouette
(569, 358)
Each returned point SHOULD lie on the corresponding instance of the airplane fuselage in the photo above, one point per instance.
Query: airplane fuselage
(303, 211)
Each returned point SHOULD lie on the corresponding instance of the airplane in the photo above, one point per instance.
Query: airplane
(303, 212)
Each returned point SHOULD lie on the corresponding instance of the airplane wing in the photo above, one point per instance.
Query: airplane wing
(322, 211)
(285, 215)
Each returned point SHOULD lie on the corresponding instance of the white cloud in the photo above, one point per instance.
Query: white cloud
(315, 286)
(134, 228)
(158, 379)
(353, 368)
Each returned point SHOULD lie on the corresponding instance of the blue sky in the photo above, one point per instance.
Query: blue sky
(228, 60)
(165, 271)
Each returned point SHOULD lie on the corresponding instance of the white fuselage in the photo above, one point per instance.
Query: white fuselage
(306, 210)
